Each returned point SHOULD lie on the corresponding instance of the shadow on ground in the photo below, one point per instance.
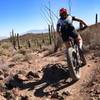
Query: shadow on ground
(55, 78)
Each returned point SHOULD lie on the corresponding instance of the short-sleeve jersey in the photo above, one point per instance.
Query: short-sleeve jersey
(65, 25)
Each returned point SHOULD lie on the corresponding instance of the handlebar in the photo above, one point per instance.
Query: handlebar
(83, 28)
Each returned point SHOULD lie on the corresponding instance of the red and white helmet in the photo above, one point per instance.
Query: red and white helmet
(63, 11)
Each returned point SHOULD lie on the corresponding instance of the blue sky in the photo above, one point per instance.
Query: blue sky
(24, 15)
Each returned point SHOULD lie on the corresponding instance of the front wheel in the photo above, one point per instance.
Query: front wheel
(73, 63)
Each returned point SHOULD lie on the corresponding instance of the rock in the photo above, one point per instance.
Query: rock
(2, 86)
(88, 65)
(11, 65)
(6, 74)
(1, 72)
(92, 57)
(95, 61)
(8, 95)
(47, 99)
(54, 95)
(2, 98)
(98, 91)
(9, 85)
(15, 92)
(55, 72)
(24, 98)
(32, 74)
(92, 98)
(66, 93)
(92, 94)
(20, 77)
(91, 90)
(39, 71)
(5, 69)
(23, 72)
(99, 97)
(1, 77)
(97, 54)
(16, 98)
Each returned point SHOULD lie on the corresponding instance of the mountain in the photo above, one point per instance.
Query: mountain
(37, 31)
(2, 37)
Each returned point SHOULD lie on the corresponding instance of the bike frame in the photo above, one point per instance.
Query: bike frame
(73, 58)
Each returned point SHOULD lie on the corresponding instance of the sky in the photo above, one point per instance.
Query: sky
(24, 15)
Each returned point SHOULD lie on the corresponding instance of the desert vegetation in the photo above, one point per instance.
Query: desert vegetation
(31, 70)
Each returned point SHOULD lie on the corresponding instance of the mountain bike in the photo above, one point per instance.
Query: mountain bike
(74, 59)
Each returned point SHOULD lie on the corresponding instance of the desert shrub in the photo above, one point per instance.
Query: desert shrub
(1, 51)
(22, 51)
(5, 45)
(27, 57)
(4, 52)
(18, 57)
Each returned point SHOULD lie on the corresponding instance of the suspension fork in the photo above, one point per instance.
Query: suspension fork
(68, 45)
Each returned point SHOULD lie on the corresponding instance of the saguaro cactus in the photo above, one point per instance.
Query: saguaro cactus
(50, 38)
(18, 41)
(29, 43)
(13, 39)
(96, 19)
(43, 41)
(10, 37)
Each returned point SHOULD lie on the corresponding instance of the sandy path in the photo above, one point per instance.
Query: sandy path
(75, 88)
(38, 62)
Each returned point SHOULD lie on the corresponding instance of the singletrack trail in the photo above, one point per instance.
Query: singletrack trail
(52, 84)
(74, 88)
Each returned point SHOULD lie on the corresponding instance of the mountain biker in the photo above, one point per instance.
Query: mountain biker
(65, 29)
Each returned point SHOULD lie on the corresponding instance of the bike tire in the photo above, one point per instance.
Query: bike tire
(72, 63)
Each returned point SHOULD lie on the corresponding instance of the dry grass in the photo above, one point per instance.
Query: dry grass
(5, 45)
(91, 36)
(92, 87)
(18, 57)
(5, 49)
(22, 55)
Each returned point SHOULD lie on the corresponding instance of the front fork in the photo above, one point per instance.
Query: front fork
(70, 44)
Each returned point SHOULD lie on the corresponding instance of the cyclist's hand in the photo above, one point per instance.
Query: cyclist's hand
(84, 27)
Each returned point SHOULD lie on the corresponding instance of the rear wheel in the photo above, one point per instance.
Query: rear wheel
(73, 63)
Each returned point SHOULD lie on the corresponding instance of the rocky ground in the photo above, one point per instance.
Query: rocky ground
(34, 74)
(38, 76)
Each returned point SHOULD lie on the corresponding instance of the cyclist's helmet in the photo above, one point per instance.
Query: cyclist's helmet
(63, 12)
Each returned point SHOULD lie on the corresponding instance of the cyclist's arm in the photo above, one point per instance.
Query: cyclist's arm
(81, 21)
(58, 29)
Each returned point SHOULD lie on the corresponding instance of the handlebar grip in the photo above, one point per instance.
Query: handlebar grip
(83, 27)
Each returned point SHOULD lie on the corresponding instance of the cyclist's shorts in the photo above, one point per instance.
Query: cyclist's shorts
(65, 36)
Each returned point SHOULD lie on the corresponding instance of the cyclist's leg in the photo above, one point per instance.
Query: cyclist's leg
(65, 37)
(79, 41)
(81, 50)
(82, 57)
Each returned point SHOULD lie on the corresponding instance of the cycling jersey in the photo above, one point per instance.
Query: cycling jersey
(66, 27)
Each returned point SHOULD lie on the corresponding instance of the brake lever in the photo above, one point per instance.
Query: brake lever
(83, 28)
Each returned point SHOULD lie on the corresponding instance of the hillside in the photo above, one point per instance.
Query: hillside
(26, 74)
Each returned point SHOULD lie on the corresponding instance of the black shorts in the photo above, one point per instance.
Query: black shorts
(65, 36)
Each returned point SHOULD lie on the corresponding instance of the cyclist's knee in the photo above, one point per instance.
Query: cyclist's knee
(79, 41)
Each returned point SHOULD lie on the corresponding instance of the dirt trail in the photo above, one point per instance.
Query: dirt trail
(75, 88)
(38, 89)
